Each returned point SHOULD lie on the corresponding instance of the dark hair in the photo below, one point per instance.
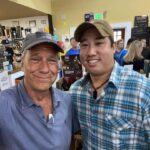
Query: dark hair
(118, 41)
(130, 41)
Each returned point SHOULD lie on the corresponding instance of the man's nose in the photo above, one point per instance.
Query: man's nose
(44, 66)
(92, 50)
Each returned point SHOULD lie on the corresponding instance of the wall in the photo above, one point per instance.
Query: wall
(24, 22)
(41, 5)
(41, 23)
(70, 13)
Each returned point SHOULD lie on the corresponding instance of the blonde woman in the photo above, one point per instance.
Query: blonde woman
(134, 56)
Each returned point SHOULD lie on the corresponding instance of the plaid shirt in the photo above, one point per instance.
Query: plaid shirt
(119, 119)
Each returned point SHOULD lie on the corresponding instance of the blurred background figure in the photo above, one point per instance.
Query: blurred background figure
(61, 44)
(134, 56)
(120, 51)
(74, 50)
(146, 50)
(129, 42)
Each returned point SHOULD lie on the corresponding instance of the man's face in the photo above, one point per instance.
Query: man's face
(40, 66)
(121, 45)
(74, 43)
(96, 53)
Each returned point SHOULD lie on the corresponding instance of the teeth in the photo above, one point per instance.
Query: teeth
(92, 61)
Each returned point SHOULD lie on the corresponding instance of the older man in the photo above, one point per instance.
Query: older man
(33, 114)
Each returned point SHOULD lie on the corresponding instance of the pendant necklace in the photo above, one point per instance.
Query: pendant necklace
(95, 89)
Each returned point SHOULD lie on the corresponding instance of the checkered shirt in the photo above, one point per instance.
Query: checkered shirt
(119, 119)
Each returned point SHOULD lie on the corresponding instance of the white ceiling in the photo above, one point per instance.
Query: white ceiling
(11, 10)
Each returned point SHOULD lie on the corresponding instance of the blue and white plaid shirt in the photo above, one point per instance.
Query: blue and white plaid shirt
(119, 119)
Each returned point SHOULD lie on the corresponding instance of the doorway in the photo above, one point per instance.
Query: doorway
(119, 34)
(127, 29)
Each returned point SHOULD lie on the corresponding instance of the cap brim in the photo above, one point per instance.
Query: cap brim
(52, 43)
(81, 29)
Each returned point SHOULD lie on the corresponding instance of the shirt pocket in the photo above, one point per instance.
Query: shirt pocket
(122, 130)
(59, 122)
(120, 123)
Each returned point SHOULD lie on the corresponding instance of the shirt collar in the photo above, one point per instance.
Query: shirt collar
(56, 96)
(114, 77)
(26, 101)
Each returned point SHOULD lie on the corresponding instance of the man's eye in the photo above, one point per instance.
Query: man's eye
(83, 45)
(99, 43)
(35, 59)
(52, 61)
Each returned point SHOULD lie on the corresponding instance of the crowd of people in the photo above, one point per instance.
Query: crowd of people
(109, 106)
(134, 54)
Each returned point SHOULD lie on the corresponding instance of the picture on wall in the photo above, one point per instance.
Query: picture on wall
(32, 23)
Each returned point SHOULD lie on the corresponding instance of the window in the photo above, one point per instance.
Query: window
(119, 34)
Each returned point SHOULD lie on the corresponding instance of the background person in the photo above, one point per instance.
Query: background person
(33, 114)
(146, 50)
(74, 50)
(120, 52)
(134, 56)
(111, 102)
(129, 42)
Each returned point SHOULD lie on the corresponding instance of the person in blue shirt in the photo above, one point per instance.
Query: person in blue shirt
(112, 103)
(33, 114)
(74, 50)
(120, 51)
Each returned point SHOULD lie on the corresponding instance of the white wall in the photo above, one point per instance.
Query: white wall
(24, 22)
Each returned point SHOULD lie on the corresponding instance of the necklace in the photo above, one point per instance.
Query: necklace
(95, 89)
